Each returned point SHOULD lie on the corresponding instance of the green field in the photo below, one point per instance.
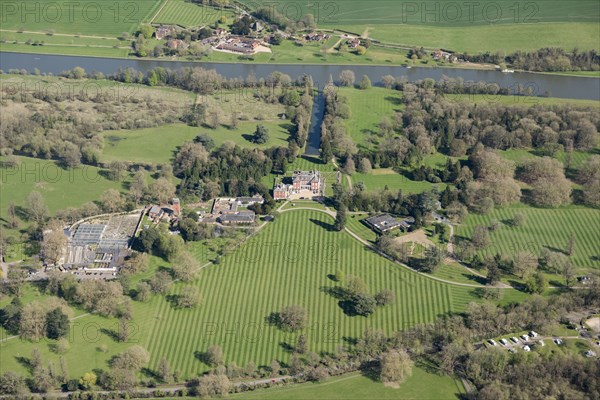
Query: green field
(368, 108)
(550, 228)
(158, 145)
(488, 26)
(521, 155)
(288, 263)
(86, 17)
(187, 14)
(378, 179)
(525, 101)
(356, 226)
(422, 384)
(61, 188)
(500, 37)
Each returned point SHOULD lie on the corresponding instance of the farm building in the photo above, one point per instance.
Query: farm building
(239, 44)
(164, 31)
(316, 36)
(241, 218)
(353, 43)
(169, 212)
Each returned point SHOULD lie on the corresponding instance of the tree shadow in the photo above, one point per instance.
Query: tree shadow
(313, 159)
(150, 374)
(394, 100)
(336, 292)
(288, 348)
(348, 307)
(25, 362)
(557, 284)
(327, 226)
(476, 278)
(371, 370)
(517, 285)
(273, 319)
(248, 137)
(110, 333)
(350, 340)
(556, 249)
(21, 213)
(202, 356)
(331, 277)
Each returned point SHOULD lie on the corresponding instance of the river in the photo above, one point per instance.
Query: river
(556, 85)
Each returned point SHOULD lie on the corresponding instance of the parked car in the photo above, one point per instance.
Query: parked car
(514, 339)
(504, 341)
(525, 338)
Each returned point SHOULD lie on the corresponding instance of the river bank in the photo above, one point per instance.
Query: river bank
(380, 60)
(570, 87)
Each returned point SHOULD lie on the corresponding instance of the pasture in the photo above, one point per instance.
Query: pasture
(483, 26)
(159, 144)
(105, 18)
(543, 228)
(375, 12)
(287, 263)
(367, 109)
(190, 15)
(503, 37)
(61, 188)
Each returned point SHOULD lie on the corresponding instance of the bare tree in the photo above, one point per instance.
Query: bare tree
(396, 366)
(37, 210)
(347, 78)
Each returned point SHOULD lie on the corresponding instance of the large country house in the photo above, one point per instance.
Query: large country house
(306, 184)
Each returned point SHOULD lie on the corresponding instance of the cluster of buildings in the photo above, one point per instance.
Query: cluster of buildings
(221, 40)
(239, 44)
(167, 212)
(441, 55)
(304, 184)
(232, 211)
(385, 223)
(316, 36)
(98, 248)
(353, 43)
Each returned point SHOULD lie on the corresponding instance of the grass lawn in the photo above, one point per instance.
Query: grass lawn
(287, 263)
(521, 155)
(367, 109)
(526, 101)
(158, 145)
(303, 204)
(355, 225)
(457, 273)
(550, 228)
(422, 384)
(378, 179)
(61, 188)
